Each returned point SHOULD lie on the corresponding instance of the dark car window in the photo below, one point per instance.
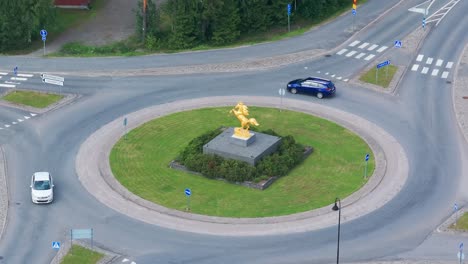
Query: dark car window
(41, 185)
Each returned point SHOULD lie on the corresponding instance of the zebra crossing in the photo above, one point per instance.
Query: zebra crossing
(362, 50)
(24, 117)
(432, 66)
(7, 81)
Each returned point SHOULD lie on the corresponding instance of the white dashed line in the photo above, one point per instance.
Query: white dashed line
(18, 79)
(318, 71)
(363, 45)
(445, 74)
(133, 262)
(7, 125)
(429, 61)
(326, 73)
(372, 47)
(360, 55)
(341, 51)
(425, 70)
(369, 57)
(26, 117)
(14, 123)
(33, 114)
(339, 78)
(435, 72)
(7, 85)
(345, 80)
(3, 73)
(415, 67)
(333, 75)
(420, 57)
(125, 260)
(351, 53)
(439, 62)
(354, 43)
(20, 120)
(12, 82)
(382, 48)
(0, 77)
(25, 75)
(449, 65)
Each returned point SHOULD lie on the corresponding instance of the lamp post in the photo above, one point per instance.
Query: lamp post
(337, 207)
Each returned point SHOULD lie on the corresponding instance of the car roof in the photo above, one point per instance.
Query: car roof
(319, 80)
(41, 176)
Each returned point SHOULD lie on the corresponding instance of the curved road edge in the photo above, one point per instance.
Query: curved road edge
(3, 193)
(93, 170)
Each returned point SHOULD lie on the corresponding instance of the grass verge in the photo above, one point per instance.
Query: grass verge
(31, 98)
(381, 77)
(335, 169)
(81, 255)
(461, 224)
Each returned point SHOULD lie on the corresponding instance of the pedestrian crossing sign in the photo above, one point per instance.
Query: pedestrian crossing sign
(397, 44)
(55, 245)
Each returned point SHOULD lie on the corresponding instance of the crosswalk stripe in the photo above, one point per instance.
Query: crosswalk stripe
(382, 49)
(32, 114)
(1, 128)
(439, 62)
(420, 57)
(3, 73)
(363, 45)
(372, 47)
(18, 79)
(25, 75)
(341, 51)
(449, 65)
(415, 67)
(425, 70)
(435, 72)
(360, 55)
(7, 126)
(429, 61)
(445, 74)
(26, 117)
(345, 80)
(7, 85)
(354, 43)
(14, 123)
(351, 53)
(333, 75)
(20, 120)
(326, 73)
(369, 57)
(339, 78)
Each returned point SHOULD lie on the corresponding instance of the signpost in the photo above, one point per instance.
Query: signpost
(354, 12)
(455, 210)
(424, 23)
(281, 92)
(56, 245)
(43, 33)
(15, 70)
(52, 79)
(365, 168)
(460, 254)
(188, 192)
(397, 44)
(125, 128)
(380, 65)
(289, 14)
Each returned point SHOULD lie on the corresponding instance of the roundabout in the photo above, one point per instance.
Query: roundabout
(93, 170)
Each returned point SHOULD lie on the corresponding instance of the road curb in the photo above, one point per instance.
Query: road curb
(4, 200)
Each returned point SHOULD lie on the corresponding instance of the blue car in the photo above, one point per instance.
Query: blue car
(312, 85)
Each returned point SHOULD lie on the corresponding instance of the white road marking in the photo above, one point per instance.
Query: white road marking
(345, 80)
(369, 57)
(435, 72)
(360, 55)
(26, 117)
(18, 79)
(382, 48)
(363, 45)
(25, 75)
(32, 114)
(133, 262)
(7, 85)
(3, 73)
(12, 82)
(339, 78)
(318, 71)
(420, 57)
(20, 120)
(351, 53)
(341, 51)
(7, 125)
(429, 61)
(354, 43)
(14, 123)
(425, 70)
(415, 67)
(372, 47)
(0, 77)
(445, 74)
(306, 67)
(449, 65)
(1, 128)
(333, 75)
(326, 73)
(439, 62)
(125, 260)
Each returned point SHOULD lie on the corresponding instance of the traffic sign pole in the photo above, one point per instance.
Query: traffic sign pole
(43, 33)
(188, 192)
(289, 15)
(365, 168)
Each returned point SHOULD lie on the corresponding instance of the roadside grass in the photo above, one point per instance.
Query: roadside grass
(461, 224)
(81, 255)
(140, 162)
(381, 77)
(31, 98)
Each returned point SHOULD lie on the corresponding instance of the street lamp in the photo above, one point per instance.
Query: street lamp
(337, 207)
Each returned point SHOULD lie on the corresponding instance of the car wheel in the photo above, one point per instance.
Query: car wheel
(319, 95)
(294, 91)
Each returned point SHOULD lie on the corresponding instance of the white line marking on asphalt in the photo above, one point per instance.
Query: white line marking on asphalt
(341, 51)
(435, 72)
(372, 47)
(445, 74)
(7, 85)
(382, 48)
(424, 70)
(12, 82)
(363, 45)
(0, 77)
(360, 55)
(133, 262)
(1, 128)
(449, 65)
(339, 78)
(415, 67)
(125, 260)
(351, 53)
(26, 117)
(345, 80)
(306, 67)
(439, 62)
(18, 79)
(3, 73)
(14, 123)
(318, 71)
(32, 114)
(326, 73)
(333, 75)
(354, 43)
(369, 57)
(20, 120)
(7, 125)
(420, 57)
(429, 61)
(25, 75)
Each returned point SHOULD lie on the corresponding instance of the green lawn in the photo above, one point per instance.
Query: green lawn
(34, 99)
(462, 223)
(81, 255)
(381, 77)
(335, 168)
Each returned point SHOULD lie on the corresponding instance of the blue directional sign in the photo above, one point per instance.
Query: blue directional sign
(289, 9)
(43, 38)
(455, 207)
(188, 192)
(56, 245)
(397, 44)
(424, 22)
(383, 64)
(15, 70)
(43, 33)
(354, 12)
(367, 157)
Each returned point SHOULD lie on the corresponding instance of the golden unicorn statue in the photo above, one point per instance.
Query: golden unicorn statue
(241, 111)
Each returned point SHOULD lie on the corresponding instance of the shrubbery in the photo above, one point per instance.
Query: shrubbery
(287, 156)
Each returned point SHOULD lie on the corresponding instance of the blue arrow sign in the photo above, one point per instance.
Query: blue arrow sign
(55, 245)
(188, 192)
(43, 33)
(289, 9)
(385, 63)
(397, 44)
(15, 70)
(367, 157)
(455, 207)
(43, 38)
(424, 22)
(354, 12)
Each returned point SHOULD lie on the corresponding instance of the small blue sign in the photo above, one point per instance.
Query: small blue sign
(367, 157)
(354, 12)
(397, 44)
(125, 121)
(289, 9)
(385, 63)
(424, 22)
(188, 192)
(43, 38)
(43, 33)
(56, 245)
(15, 70)
(455, 207)
(461, 246)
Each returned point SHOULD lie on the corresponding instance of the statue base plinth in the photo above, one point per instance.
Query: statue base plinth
(243, 141)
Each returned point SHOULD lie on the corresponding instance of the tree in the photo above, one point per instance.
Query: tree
(226, 24)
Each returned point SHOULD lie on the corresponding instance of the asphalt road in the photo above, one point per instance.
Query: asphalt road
(419, 115)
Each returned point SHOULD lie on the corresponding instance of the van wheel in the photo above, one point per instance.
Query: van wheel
(294, 91)
(319, 95)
